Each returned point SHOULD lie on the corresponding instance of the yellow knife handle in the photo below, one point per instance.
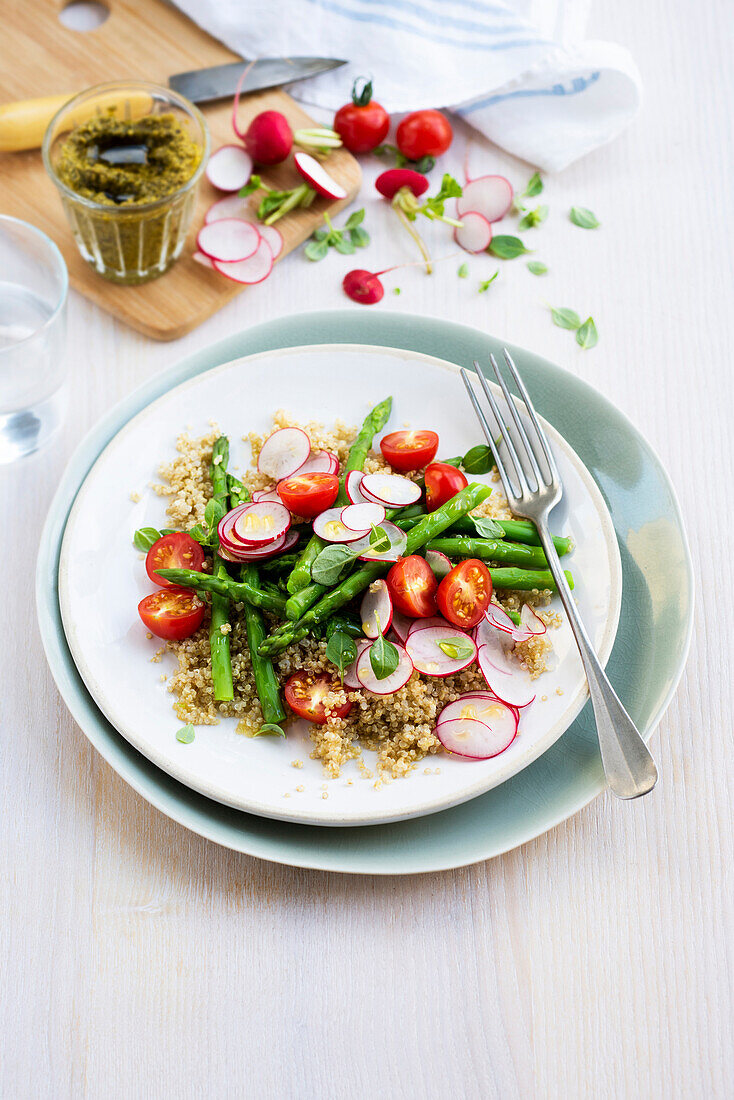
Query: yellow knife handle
(23, 124)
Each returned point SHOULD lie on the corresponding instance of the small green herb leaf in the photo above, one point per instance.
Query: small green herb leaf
(253, 184)
(341, 651)
(269, 729)
(463, 271)
(507, 248)
(483, 287)
(144, 538)
(198, 533)
(533, 218)
(565, 318)
(356, 218)
(534, 187)
(584, 218)
(457, 648)
(396, 290)
(478, 460)
(384, 657)
(320, 234)
(586, 335)
(345, 246)
(359, 237)
(535, 267)
(186, 734)
(453, 461)
(316, 250)
(487, 527)
(330, 563)
(213, 513)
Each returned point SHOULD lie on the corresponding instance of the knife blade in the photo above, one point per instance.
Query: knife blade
(220, 81)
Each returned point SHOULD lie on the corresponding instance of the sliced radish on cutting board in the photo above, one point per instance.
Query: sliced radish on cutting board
(228, 240)
(231, 206)
(391, 683)
(487, 195)
(205, 261)
(229, 168)
(283, 453)
(475, 232)
(363, 517)
(315, 174)
(255, 269)
(392, 490)
(505, 677)
(274, 238)
(424, 647)
(375, 611)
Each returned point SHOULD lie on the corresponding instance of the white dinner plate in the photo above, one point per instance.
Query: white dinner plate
(101, 581)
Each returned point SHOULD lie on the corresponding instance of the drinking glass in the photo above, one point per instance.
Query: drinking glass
(33, 290)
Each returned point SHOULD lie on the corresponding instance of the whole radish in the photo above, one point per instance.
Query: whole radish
(362, 124)
(363, 286)
(269, 138)
(403, 187)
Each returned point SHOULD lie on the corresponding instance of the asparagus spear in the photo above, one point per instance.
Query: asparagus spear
(525, 580)
(518, 530)
(241, 591)
(513, 553)
(263, 673)
(374, 422)
(427, 528)
(218, 638)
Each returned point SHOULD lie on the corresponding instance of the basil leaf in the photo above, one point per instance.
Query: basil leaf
(533, 218)
(452, 461)
(463, 271)
(186, 734)
(144, 538)
(535, 267)
(213, 513)
(379, 540)
(478, 460)
(359, 237)
(534, 187)
(384, 657)
(198, 533)
(316, 250)
(565, 318)
(269, 729)
(354, 219)
(487, 527)
(345, 246)
(341, 651)
(584, 218)
(586, 335)
(485, 285)
(457, 648)
(507, 248)
(330, 563)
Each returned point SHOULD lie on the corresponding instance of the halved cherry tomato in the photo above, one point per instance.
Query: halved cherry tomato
(442, 483)
(424, 134)
(172, 613)
(464, 594)
(175, 551)
(308, 494)
(362, 124)
(306, 693)
(410, 450)
(412, 585)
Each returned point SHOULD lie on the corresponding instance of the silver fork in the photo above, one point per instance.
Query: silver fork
(628, 765)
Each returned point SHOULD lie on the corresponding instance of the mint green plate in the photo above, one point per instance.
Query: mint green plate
(645, 666)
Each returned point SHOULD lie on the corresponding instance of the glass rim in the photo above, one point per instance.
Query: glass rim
(60, 264)
(112, 85)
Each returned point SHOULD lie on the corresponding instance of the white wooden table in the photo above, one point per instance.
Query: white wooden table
(139, 960)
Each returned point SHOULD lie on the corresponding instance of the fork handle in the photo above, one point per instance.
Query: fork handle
(628, 764)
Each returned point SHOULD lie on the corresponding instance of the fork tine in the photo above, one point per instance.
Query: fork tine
(533, 415)
(506, 483)
(532, 461)
(519, 471)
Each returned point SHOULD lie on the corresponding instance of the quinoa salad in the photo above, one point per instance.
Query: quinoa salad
(352, 583)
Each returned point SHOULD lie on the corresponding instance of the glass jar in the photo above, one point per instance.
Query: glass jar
(127, 242)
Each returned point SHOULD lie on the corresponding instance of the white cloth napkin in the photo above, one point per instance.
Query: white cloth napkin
(519, 71)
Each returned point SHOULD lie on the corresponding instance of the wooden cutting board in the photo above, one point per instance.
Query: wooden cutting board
(141, 39)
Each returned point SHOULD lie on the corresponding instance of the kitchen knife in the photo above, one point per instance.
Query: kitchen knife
(23, 124)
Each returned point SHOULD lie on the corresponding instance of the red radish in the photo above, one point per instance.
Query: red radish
(269, 496)
(435, 620)
(350, 673)
(320, 462)
(504, 676)
(231, 206)
(398, 542)
(495, 618)
(391, 490)
(391, 683)
(254, 269)
(401, 624)
(317, 176)
(329, 527)
(269, 138)
(362, 517)
(439, 563)
(376, 611)
(283, 453)
(273, 237)
(475, 233)
(531, 622)
(262, 522)
(390, 182)
(352, 486)
(229, 239)
(478, 740)
(205, 261)
(424, 648)
(487, 195)
(229, 168)
(270, 550)
(363, 287)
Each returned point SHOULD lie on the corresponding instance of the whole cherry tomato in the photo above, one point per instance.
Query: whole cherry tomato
(362, 124)
(424, 134)
(442, 483)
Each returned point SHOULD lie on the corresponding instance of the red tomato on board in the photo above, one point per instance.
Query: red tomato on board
(442, 483)
(412, 585)
(424, 134)
(362, 124)
(409, 450)
(308, 494)
(175, 551)
(464, 594)
(172, 613)
(305, 695)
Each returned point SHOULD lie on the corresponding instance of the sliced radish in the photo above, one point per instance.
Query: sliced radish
(487, 195)
(398, 543)
(269, 495)
(231, 206)
(475, 232)
(243, 554)
(283, 453)
(229, 168)
(362, 517)
(205, 261)
(433, 620)
(329, 527)
(439, 563)
(352, 486)
(255, 269)
(504, 676)
(426, 654)
(261, 522)
(495, 618)
(475, 739)
(376, 610)
(391, 683)
(315, 174)
(350, 673)
(401, 624)
(228, 240)
(320, 462)
(531, 625)
(390, 489)
(274, 238)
